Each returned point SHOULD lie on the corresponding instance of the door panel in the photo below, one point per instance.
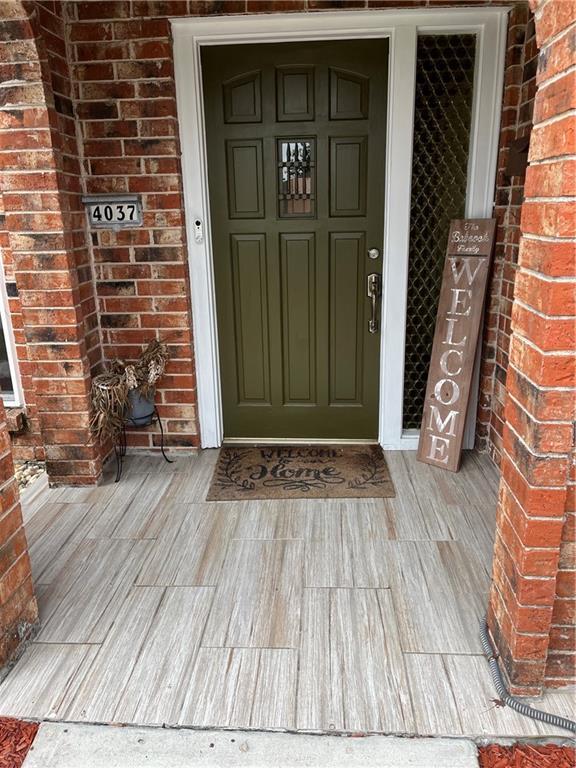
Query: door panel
(296, 137)
(245, 179)
(348, 176)
(251, 318)
(346, 317)
(298, 276)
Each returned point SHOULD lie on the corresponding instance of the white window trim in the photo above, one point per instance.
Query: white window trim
(401, 28)
(17, 399)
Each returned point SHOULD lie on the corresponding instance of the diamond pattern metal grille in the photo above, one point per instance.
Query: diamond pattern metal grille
(443, 108)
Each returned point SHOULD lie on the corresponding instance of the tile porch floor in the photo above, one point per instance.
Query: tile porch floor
(356, 615)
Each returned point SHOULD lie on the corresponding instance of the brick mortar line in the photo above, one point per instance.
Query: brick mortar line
(550, 353)
(536, 238)
(558, 76)
(555, 488)
(558, 118)
(537, 455)
(518, 603)
(552, 423)
(554, 39)
(552, 199)
(539, 314)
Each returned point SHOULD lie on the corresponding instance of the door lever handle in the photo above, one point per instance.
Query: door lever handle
(373, 290)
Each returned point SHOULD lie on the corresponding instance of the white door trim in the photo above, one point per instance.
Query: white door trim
(401, 28)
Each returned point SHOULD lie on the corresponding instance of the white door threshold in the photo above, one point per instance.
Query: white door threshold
(71, 745)
(296, 441)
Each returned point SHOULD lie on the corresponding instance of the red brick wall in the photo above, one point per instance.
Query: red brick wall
(18, 610)
(41, 194)
(518, 104)
(29, 444)
(532, 605)
(124, 85)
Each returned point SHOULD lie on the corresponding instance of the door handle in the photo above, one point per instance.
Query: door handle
(373, 290)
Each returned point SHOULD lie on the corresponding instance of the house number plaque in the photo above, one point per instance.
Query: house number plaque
(114, 211)
(470, 243)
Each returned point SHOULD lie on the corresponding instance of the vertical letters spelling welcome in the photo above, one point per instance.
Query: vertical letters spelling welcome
(464, 281)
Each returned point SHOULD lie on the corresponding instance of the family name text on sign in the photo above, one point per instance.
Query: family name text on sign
(464, 281)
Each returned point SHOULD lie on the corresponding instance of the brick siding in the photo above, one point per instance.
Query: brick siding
(124, 85)
(532, 604)
(518, 103)
(18, 609)
(47, 237)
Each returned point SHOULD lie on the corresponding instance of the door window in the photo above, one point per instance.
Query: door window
(296, 178)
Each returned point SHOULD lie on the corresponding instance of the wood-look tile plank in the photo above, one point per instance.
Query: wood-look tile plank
(476, 527)
(415, 515)
(327, 557)
(478, 480)
(119, 493)
(43, 676)
(88, 608)
(275, 519)
(145, 463)
(257, 602)
(435, 491)
(192, 487)
(35, 496)
(191, 549)
(557, 702)
(145, 515)
(160, 566)
(320, 699)
(241, 688)
(351, 672)
(440, 591)
(50, 596)
(161, 675)
(344, 550)
(202, 554)
(274, 704)
(53, 536)
(433, 701)
(474, 694)
(97, 697)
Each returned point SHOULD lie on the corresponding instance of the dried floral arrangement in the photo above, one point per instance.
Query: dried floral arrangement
(110, 393)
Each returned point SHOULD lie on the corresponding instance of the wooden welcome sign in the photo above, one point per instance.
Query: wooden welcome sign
(464, 281)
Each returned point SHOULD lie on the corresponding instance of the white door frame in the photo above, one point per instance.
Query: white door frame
(401, 28)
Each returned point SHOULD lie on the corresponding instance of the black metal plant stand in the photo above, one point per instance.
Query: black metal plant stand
(141, 421)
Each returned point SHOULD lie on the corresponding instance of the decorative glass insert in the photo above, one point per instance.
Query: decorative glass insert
(443, 110)
(296, 178)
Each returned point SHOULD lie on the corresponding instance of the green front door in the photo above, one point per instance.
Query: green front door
(296, 135)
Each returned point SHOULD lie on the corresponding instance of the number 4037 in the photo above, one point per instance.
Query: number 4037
(116, 212)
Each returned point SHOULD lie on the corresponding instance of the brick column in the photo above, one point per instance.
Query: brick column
(44, 218)
(531, 613)
(18, 610)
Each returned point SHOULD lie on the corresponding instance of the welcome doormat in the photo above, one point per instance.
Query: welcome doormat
(297, 472)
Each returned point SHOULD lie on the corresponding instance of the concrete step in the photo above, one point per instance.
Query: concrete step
(69, 745)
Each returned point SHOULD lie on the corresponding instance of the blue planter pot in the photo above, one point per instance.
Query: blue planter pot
(141, 409)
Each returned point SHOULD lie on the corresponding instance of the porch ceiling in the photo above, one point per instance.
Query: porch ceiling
(353, 615)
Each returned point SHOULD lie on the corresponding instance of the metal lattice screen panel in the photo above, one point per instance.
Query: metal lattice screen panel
(443, 109)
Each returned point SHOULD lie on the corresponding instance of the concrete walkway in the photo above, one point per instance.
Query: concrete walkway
(68, 745)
